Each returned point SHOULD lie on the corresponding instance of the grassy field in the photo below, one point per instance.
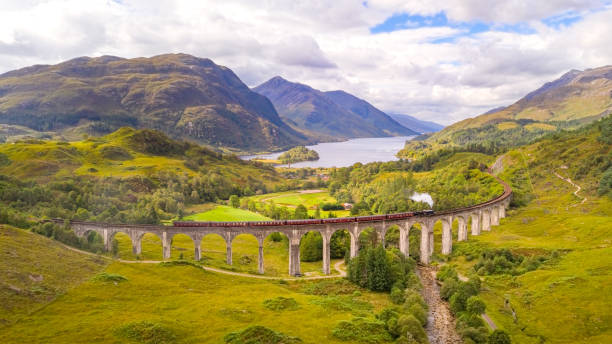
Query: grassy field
(566, 300)
(310, 200)
(225, 213)
(188, 303)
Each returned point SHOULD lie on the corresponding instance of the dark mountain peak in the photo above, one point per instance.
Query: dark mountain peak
(186, 96)
(562, 81)
(334, 113)
(280, 83)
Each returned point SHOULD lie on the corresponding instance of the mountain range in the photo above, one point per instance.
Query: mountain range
(334, 113)
(576, 98)
(185, 96)
(416, 124)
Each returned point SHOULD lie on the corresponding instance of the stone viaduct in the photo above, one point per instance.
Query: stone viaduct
(483, 216)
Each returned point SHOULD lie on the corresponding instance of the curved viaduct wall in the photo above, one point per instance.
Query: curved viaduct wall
(483, 216)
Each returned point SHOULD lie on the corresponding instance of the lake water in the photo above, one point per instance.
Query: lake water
(346, 153)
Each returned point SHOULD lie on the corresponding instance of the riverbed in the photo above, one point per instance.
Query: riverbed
(347, 153)
(440, 321)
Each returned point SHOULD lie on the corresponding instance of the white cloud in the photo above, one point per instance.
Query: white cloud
(327, 44)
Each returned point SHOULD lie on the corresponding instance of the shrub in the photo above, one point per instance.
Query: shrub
(499, 337)
(419, 313)
(446, 272)
(281, 303)
(409, 324)
(449, 287)
(457, 302)
(276, 237)
(475, 305)
(362, 330)
(397, 296)
(106, 277)
(259, 335)
(412, 297)
(311, 247)
(477, 335)
(146, 332)
(469, 320)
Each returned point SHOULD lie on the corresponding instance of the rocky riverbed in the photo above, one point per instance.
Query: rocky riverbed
(440, 321)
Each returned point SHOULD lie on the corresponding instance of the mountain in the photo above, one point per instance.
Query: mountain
(337, 113)
(576, 98)
(182, 95)
(577, 95)
(416, 124)
(368, 113)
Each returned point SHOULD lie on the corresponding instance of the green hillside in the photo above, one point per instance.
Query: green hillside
(60, 296)
(35, 271)
(138, 176)
(565, 299)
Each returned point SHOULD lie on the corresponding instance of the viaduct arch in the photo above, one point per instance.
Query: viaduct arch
(483, 216)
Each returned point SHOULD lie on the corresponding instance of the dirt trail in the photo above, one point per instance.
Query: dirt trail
(578, 188)
(440, 321)
(342, 273)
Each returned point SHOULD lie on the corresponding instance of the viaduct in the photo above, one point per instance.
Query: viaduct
(483, 216)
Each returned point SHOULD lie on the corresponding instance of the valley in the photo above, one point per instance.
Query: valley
(127, 216)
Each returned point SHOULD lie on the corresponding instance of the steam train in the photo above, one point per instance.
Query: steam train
(371, 218)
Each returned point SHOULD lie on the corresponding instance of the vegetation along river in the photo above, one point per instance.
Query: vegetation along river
(346, 153)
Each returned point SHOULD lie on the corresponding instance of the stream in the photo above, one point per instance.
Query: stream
(440, 321)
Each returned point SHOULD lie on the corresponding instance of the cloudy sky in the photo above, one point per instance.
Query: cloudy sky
(439, 60)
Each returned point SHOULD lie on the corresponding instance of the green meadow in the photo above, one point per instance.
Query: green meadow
(566, 299)
(309, 198)
(182, 303)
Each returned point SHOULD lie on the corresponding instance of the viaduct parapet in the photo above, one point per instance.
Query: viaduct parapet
(483, 216)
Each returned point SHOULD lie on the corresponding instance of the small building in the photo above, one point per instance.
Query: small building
(347, 206)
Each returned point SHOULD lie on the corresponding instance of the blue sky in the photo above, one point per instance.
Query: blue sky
(406, 21)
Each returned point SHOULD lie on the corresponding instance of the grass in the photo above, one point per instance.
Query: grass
(176, 303)
(226, 213)
(94, 157)
(35, 270)
(565, 300)
(310, 200)
(245, 251)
